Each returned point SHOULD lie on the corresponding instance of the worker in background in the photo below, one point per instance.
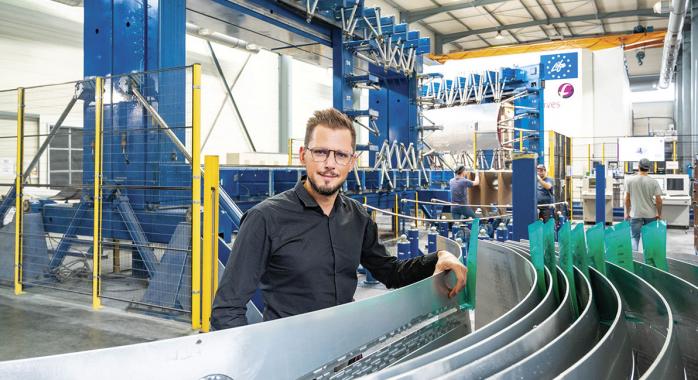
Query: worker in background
(640, 191)
(302, 247)
(459, 193)
(545, 197)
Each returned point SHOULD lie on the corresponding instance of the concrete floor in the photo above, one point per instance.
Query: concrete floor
(37, 324)
(680, 242)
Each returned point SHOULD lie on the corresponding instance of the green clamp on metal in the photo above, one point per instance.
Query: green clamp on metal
(537, 247)
(595, 243)
(578, 246)
(471, 263)
(654, 244)
(567, 263)
(618, 247)
(550, 258)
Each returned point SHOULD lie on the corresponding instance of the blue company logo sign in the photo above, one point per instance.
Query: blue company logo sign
(559, 66)
(566, 90)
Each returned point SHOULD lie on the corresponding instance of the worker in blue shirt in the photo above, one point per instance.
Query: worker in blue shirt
(544, 194)
(459, 193)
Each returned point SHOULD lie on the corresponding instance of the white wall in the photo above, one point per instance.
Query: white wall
(613, 111)
(40, 41)
(652, 116)
(256, 94)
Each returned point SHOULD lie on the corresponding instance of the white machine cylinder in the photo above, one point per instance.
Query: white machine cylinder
(489, 120)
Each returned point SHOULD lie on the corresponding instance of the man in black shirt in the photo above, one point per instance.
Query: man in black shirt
(302, 247)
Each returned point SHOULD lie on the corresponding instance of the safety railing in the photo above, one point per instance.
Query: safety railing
(102, 192)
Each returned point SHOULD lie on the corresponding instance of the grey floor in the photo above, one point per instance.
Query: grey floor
(37, 324)
(680, 243)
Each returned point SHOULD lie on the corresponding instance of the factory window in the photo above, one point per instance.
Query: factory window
(65, 157)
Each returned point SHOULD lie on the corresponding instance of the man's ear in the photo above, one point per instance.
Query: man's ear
(301, 155)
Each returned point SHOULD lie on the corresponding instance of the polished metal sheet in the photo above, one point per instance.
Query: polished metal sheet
(280, 349)
(611, 357)
(682, 297)
(468, 353)
(460, 124)
(568, 347)
(683, 269)
(499, 270)
(555, 322)
(650, 324)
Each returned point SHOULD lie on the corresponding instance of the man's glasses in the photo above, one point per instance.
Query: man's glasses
(322, 154)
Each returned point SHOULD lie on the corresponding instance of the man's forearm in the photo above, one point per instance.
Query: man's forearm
(659, 207)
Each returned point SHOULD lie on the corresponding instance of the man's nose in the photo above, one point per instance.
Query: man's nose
(331, 160)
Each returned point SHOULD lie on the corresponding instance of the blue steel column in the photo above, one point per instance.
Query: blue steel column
(600, 194)
(396, 103)
(524, 194)
(134, 36)
(342, 67)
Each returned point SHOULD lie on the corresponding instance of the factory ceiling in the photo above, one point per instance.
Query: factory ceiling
(475, 24)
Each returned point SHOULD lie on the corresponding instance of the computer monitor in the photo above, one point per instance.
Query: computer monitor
(677, 184)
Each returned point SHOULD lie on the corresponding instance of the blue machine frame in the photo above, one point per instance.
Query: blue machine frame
(367, 49)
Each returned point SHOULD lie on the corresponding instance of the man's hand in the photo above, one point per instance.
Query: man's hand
(448, 262)
(627, 216)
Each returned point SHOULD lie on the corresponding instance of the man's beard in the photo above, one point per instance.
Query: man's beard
(326, 191)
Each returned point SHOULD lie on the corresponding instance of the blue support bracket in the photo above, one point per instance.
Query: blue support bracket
(364, 81)
(69, 235)
(362, 113)
(136, 232)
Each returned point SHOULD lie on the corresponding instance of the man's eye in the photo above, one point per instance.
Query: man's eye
(323, 152)
(342, 155)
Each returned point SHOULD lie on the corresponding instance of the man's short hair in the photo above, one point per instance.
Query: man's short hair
(330, 118)
(460, 170)
(540, 166)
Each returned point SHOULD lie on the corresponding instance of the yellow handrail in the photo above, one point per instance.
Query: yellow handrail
(97, 208)
(19, 179)
(209, 278)
(196, 199)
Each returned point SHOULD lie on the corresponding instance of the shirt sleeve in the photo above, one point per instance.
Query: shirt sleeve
(388, 269)
(243, 271)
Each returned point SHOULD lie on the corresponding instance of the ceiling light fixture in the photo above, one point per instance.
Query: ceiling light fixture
(499, 35)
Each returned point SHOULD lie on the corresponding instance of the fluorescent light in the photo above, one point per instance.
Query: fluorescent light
(658, 95)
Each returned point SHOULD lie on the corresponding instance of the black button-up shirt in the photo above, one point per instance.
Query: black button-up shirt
(303, 260)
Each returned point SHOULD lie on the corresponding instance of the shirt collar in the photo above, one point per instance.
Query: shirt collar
(309, 201)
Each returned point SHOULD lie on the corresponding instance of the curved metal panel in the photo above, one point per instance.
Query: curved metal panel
(611, 357)
(650, 324)
(682, 297)
(557, 321)
(469, 353)
(684, 270)
(567, 348)
(459, 126)
(495, 266)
